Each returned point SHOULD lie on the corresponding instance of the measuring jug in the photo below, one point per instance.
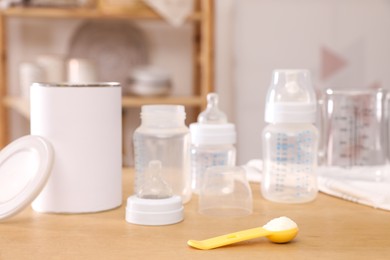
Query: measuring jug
(354, 131)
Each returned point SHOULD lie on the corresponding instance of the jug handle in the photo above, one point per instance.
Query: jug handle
(321, 125)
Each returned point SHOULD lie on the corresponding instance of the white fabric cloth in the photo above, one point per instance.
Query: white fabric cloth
(367, 192)
(174, 11)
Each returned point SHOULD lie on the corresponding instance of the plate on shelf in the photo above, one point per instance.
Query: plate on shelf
(115, 46)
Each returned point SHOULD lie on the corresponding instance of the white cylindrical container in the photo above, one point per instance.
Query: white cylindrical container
(163, 136)
(83, 124)
(290, 141)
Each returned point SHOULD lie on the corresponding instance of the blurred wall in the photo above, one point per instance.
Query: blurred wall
(169, 48)
(345, 44)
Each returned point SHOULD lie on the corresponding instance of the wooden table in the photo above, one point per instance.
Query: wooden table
(330, 228)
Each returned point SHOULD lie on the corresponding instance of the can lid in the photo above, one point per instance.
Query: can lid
(25, 166)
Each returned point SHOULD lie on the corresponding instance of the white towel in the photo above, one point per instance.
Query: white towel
(338, 182)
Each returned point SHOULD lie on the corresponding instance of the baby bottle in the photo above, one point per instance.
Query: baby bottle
(290, 141)
(164, 137)
(213, 140)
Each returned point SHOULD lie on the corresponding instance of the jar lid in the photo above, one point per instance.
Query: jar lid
(25, 166)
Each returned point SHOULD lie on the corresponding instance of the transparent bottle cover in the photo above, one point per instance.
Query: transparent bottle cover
(212, 114)
(290, 98)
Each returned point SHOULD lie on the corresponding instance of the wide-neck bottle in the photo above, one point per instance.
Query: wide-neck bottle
(290, 140)
(164, 137)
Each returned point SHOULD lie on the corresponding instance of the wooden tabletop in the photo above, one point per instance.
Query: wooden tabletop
(330, 228)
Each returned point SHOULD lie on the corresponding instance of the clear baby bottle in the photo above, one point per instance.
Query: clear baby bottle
(213, 140)
(290, 140)
(163, 136)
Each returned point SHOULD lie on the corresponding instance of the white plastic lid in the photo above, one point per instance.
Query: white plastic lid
(154, 212)
(25, 166)
(209, 134)
(291, 98)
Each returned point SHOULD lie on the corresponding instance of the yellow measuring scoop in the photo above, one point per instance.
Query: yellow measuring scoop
(277, 231)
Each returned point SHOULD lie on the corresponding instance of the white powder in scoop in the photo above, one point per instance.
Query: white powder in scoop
(279, 224)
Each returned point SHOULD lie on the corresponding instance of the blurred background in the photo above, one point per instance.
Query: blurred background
(344, 43)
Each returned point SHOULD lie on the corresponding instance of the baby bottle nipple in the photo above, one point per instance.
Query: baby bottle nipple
(212, 114)
(154, 186)
(294, 89)
(154, 204)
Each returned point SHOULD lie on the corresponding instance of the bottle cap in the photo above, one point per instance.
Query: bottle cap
(291, 98)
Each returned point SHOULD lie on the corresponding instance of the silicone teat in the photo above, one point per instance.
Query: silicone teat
(154, 186)
(212, 114)
(294, 89)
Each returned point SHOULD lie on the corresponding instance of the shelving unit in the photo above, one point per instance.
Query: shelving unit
(202, 17)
